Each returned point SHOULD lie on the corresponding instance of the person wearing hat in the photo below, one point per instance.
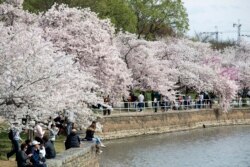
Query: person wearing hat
(36, 159)
(15, 141)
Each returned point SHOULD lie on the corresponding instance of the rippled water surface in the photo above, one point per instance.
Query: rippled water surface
(209, 147)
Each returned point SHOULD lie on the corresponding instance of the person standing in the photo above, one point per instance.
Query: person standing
(59, 121)
(108, 108)
(141, 101)
(53, 131)
(70, 119)
(165, 103)
(201, 98)
(16, 130)
(155, 104)
(39, 132)
(189, 102)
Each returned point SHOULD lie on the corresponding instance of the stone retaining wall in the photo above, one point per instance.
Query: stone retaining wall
(85, 156)
(135, 124)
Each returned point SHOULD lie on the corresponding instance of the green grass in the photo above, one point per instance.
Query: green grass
(5, 143)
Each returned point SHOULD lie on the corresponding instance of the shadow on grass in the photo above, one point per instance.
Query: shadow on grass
(6, 145)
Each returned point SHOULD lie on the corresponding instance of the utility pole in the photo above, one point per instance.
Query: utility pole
(216, 33)
(238, 27)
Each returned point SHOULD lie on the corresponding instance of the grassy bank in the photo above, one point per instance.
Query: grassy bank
(5, 146)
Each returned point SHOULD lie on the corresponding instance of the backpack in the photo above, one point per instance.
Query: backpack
(11, 134)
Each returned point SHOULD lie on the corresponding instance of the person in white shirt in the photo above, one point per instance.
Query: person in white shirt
(155, 104)
(70, 118)
(38, 130)
(201, 98)
(42, 151)
(53, 131)
(163, 104)
(141, 99)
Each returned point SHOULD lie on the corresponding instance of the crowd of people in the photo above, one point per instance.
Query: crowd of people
(201, 100)
(105, 106)
(33, 153)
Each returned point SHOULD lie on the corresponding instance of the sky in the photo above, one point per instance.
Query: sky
(205, 15)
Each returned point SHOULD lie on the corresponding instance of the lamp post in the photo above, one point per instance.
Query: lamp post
(26, 121)
(238, 27)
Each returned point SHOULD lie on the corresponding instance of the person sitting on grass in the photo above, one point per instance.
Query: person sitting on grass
(22, 157)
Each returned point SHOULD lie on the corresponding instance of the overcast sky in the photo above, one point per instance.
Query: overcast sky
(204, 15)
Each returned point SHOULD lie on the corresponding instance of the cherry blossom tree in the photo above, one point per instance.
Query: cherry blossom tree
(67, 57)
(35, 77)
(148, 71)
(188, 57)
(80, 32)
(158, 65)
(15, 3)
(203, 68)
(235, 61)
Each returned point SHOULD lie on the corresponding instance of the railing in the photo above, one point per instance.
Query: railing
(163, 106)
(122, 107)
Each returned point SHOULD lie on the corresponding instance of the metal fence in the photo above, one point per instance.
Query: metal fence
(162, 106)
(123, 107)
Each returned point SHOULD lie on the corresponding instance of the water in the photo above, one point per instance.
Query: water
(209, 147)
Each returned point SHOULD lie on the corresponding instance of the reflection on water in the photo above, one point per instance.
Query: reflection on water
(209, 147)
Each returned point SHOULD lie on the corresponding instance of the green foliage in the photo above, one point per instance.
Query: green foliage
(216, 45)
(118, 11)
(41, 5)
(147, 18)
(37, 5)
(159, 18)
(222, 44)
(5, 144)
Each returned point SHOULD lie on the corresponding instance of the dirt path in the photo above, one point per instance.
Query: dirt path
(1, 120)
(10, 163)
